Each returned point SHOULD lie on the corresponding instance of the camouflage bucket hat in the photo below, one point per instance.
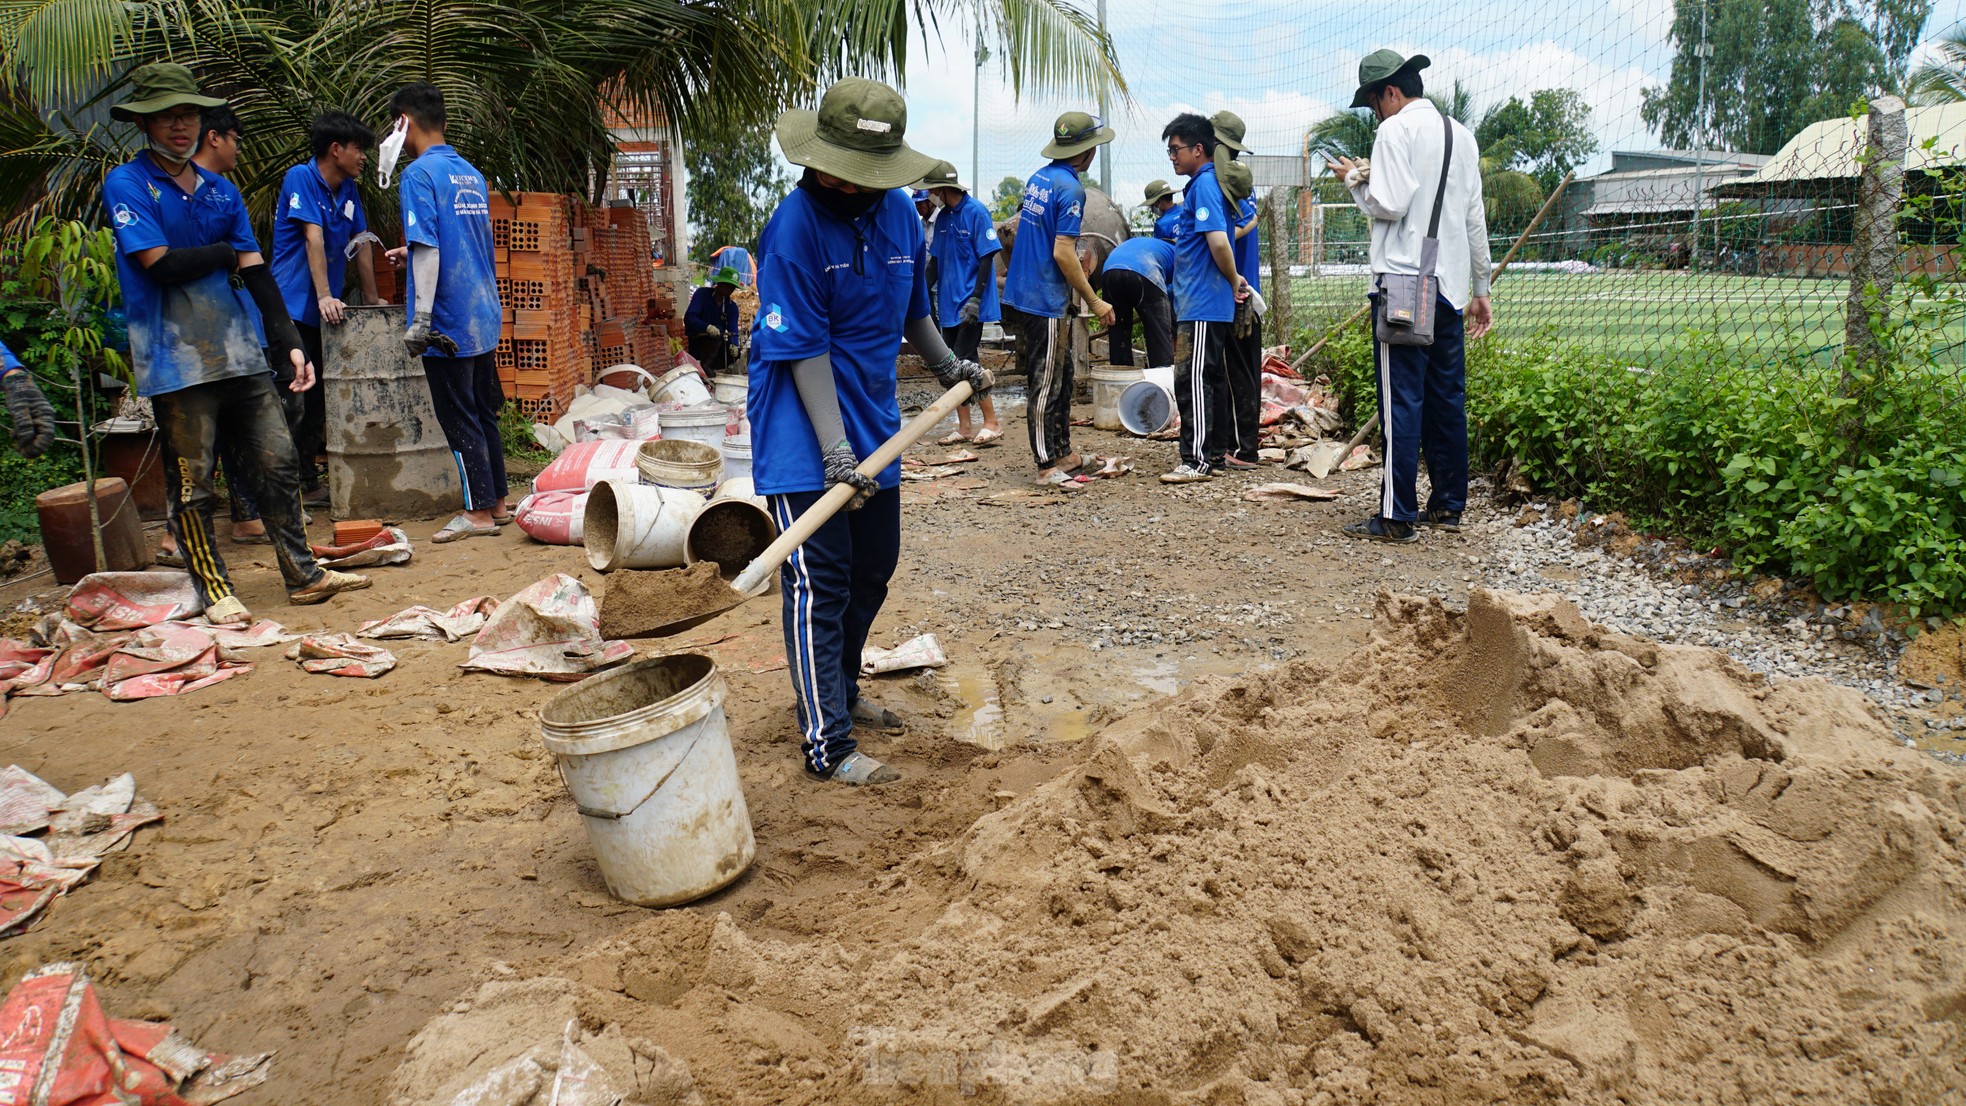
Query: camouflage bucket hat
(855, 136)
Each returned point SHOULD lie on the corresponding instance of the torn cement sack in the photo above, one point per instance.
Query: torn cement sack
(917, 652)
(456, 624)
(128, 600)
(550, 629)
(584, 464)
(556, 518)
(341, 655)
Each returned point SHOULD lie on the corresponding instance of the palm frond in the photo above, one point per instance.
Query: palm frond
(63, 47)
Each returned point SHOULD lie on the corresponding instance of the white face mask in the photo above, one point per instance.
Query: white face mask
(390, 149)
(935, 201)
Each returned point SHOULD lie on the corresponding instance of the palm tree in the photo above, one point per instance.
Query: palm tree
(1942, 81)
(528, 82)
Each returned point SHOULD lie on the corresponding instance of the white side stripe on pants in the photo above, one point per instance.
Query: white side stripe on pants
(1197, 392)
(1385, 364)
(805, 680)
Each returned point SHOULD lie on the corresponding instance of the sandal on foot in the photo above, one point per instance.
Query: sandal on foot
(858, 770)
(986, 437)
(331, 583)
(1237, 464)
(250, 539)
(1061, 480)
(169, 558)
(228, 611)
(503, 518)
(460, 528)
(1094, 467)
(873, 716)
(955, 437)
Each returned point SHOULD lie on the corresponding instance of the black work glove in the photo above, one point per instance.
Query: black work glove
(972, 311)
(842, 467)
(949, 371)
(33, 415)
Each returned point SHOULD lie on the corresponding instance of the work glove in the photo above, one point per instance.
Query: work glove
(714, 331)
(842, 467)
(972, 311)
(955, 368)
(33, 415)
(417, 338)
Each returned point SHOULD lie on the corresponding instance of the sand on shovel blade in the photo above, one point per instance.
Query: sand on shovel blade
(645, 603)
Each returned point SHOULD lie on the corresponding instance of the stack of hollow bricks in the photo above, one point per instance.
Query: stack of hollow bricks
(576, 288)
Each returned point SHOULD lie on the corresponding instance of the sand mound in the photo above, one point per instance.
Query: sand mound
(1499, 856)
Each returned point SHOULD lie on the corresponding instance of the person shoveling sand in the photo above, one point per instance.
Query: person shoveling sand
(642, 603)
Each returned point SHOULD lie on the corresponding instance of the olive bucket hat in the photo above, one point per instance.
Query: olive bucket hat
(160, 86)
(726, 275)
(1075, 133)
(1381, 66)
(1229, 129)
(855, 136)
(1158, 190)
(943, 176)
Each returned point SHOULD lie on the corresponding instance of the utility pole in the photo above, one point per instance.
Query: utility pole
(1106, 151)
(1703, 51)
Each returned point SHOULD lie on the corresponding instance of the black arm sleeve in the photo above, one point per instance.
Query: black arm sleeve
(934, 273)
(281, 336)
(180, 266)
(986, 270)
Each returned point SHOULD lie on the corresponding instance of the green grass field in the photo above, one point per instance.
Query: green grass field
(1639, 316)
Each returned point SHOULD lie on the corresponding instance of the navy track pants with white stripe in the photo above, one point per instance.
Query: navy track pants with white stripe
(1201, 393)
(1423, 409)
(833, 587)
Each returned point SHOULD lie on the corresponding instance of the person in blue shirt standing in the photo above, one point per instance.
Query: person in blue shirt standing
(1167, 213)
(962, 272)
(710, 323)
(1246, 334)
(1206, 290)
(1137, 274)
(317, 214)
(841, 280)
(32, 415)
(182, 238)
(1044, 272)
(455, 316)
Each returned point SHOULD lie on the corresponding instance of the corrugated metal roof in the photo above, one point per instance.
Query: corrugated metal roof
(1828, 150)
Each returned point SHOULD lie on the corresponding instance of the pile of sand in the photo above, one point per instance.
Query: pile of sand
(1500, 856)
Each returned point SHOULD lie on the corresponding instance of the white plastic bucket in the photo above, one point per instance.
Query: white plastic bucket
(704, 423)
(731, 391)
(737, 456)
(637, 525)
(731, 532)
(645, 752)
(1107, 386)
(680, 463)
(738, 487)
(620, 376)
(680, 385)
(1145, 407)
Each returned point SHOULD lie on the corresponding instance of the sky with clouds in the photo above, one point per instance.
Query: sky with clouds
(1283, 65)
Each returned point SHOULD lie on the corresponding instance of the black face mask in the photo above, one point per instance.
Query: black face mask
(844, 205)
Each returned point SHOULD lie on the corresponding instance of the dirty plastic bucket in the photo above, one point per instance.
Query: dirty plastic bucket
(1107, 386)
(680, 463)
(1145, 408)
(637, 525)
(706, 423)
(645, 752)
(731, 391)
(681, 385)
(737, 456)
(623, 376)
(738, 487)
(732, 533)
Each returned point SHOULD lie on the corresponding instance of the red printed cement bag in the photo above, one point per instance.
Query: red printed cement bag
(582, 465)
(105, 601)
(552, 517)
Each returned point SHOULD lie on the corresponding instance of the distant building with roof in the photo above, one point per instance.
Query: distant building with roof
(1652, 192)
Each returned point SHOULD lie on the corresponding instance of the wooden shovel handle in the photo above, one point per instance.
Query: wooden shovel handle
(837, 496)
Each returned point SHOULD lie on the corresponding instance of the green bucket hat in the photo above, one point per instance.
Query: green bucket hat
(1381, 66)
(1156, 189)
(160, 86)
(726, 275)
(942, 176)
(855, 136)
(1229, 129)
(1075, 133)
(1238, 183)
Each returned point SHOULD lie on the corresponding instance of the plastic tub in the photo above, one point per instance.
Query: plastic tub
(681, 385)
(680, 463)
(645, 752)
(731, 391)
(737, 456)
(1145, 408)
(732, 533)
(1107, 385)
(706, 423)
(637, 525)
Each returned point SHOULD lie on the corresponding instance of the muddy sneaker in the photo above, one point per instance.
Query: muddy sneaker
(1382, 529)
(1449, 521)
(872, 716)
(1185, 474)
(330, 584)
(858, 770)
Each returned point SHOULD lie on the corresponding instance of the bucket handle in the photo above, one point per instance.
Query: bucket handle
(613, 815)
(637, 369)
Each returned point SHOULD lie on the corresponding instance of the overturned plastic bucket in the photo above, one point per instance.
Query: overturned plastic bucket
(645, 752)
(731, 391)
(681, 384)
(680, 463)
(1108, 384)
(704, 423)
(637, 525)
(1145, 408)
(731, 532)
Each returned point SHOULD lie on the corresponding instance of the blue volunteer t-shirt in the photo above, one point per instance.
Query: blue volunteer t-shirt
(830, 285)
(1168, 226)
(1150, 257)
(1248, 248)
(1054, 205)
(8, 362)
(191, 333)
(705, 312)
(1201, 292)
(444, 205)
(306, 199)
(964, 237)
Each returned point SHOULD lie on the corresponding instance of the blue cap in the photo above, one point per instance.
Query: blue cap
(920, 195)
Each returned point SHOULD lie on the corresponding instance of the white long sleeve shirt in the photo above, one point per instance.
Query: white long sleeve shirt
(1399, 196)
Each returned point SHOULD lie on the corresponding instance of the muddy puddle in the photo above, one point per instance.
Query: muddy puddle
(1045, 697)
